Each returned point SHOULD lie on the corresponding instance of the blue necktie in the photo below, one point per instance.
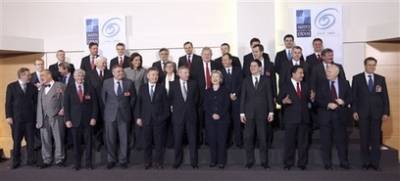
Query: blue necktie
(289, 55)
(152, 92)
(370, 83)
(119, 89)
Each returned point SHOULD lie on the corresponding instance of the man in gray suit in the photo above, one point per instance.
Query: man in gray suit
(119, 97)
(50, 119)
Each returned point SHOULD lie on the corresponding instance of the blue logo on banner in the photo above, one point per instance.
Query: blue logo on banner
(326, 18)
(92, 30)
(303, 23)
(111, 27)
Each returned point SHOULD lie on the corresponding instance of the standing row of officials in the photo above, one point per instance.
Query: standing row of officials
(200, 101)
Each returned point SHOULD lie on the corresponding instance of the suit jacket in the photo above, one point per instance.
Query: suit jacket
(115, 61)
(235, 62)
(256, 103)
(161, 73)
(118, 105)
(183, 60)
(233, 83)
(318, 75)
(20, 105)
(280, 58)
(217, 102)
(181, 107)
(34, 78)
(323, 98)
(247, 60)
(312, 60)
(85, 63)
(152, 111)
(297, 111)
(80, 113)
(55, 73)
(366, 103)
(199, 75)
(50, 104)
(286, 74)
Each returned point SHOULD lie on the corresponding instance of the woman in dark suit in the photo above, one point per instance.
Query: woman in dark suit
(216, 107)
(169, 77)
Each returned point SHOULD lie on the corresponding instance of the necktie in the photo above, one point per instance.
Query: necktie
(318, 57)
(370, 83)
(151, 92)
(119, 89)
(64, 79)
(298, 90)
(333, 91)
(121, 61)
(92, 62)
(229, 71)
(80, 93)
(256, 83)
(23, 86)
(208, 76)
(184, 91)
(289, 55)
(101, 74)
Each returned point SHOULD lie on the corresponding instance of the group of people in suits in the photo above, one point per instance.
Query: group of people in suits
(200, 101)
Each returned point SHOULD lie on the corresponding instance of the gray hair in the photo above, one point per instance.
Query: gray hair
(79, 72)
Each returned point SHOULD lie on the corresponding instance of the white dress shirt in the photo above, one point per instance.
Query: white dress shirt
(116, 86)
(47, 89)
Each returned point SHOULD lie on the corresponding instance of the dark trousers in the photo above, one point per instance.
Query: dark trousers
(82, 135)
(169, 139)
(154, 134)
(191, 131)
(296, 137)
(217, 135)
(201, 138)
(333, 130)
(237, 131)
(21, 130)
(253, 128)
(98, 132)
(370, 145)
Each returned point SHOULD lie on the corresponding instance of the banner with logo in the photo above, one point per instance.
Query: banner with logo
(107, 31)
(324, 22)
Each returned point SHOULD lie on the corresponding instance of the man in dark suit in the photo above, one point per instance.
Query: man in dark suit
(319, 71)
(121, 58)
(202, 76)
(119, 97)
(256, 111)
(160, 65)
(315, 58)
(286, 74)
(54, 67)
(286, 54)
(333, 95)
(189, 58)
(89, 62)
(35, 76)
(65, 73)
(370, 107)
(184, 97)
(250, 57)
(225, 48)
(152, 111)
(20, 109)
(96, 78)
(233, 77)
(80, 110)
(295, 95)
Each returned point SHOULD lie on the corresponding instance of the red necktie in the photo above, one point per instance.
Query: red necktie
(298, 90)
(80, 93)
(208, 77)
(92, 62)
(121, 61)
(189, 62)
(333, 91)
(319, 57)
(101, 74)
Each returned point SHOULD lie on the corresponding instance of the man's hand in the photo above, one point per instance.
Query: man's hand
(9, 121)
(139, 122)
(61, 112)
(92, 122)
(340, 101)
(68, 124)
(243, 119)
(332, 106)
(215, 116)
(287, 100)
(270, 117)
(312, 96)
(385, 117)
(233, 97)
(355, 116)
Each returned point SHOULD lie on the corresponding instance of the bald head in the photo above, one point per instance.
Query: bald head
(332, 72)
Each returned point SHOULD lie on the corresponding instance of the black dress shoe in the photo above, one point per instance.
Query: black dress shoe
(221, 166)
(212, 165)
(365, 167)
(249, 165)
(376, 168)
(195, 166)
(76, 167)
(14, 166)
(124, 165)
(302, 167)
(44, 165)
(328, 167)
(287, 167)
(344, 166)
(89, 166)
(110, 165)
(147, 166)
(31, 163)
(60, 164)
(265, 166)
(176, 166)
